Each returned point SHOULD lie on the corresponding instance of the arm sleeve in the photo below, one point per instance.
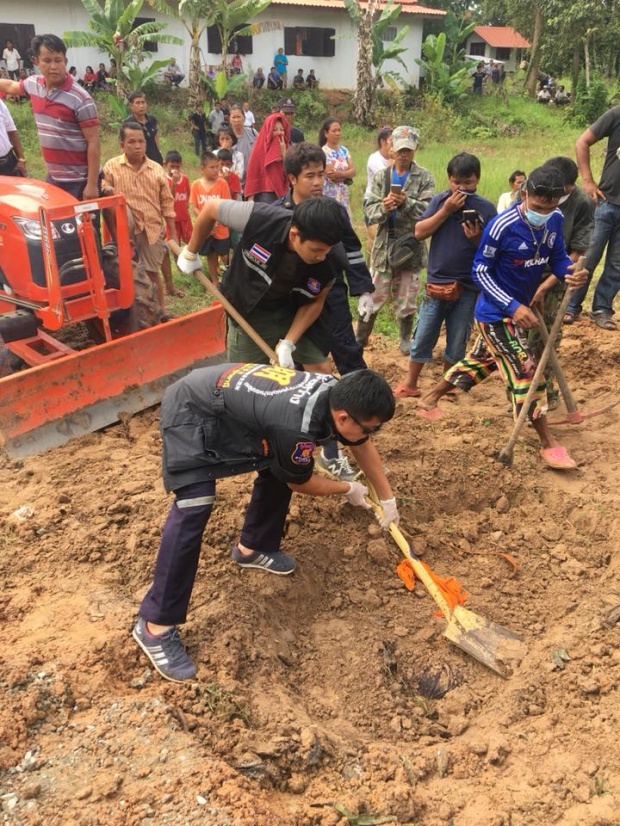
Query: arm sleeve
(415, 206)
(375, 211)
(582, 226)
(483, 272)
(358, 275)
(293, 460)
(235, 214)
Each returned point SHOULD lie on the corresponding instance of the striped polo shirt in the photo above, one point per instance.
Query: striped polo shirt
(60, 115)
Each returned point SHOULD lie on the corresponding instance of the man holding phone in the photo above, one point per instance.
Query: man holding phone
(398, 196)
(453, 221)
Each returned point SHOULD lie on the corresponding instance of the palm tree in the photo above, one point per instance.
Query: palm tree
(112, 31)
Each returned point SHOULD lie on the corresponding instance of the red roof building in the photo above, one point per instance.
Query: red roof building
(501, 43)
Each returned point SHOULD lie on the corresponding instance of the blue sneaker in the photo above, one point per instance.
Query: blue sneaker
(275, 563)
(166, 653)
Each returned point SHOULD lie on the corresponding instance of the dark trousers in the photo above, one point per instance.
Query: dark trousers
(168, 598)
(200, 143)
(346, 351)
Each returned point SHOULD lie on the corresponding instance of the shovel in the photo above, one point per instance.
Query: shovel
(234, 314)
(573, 414)
(506, 453)
(488, 642)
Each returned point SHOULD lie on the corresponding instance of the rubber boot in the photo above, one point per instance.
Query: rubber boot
(364, 329)
(405, 330)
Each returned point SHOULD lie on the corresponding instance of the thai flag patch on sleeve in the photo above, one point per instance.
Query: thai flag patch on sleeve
(259, 253)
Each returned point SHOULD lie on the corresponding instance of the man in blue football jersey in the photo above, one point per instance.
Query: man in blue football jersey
(515, 248)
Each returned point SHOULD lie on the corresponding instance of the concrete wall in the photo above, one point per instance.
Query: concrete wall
(59, 16)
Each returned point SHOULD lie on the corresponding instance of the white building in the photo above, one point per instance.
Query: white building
(316, 34)
(501, 43)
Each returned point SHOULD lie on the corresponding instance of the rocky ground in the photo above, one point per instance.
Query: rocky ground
(313, 702)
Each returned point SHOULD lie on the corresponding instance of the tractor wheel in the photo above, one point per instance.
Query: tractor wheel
(145, 311)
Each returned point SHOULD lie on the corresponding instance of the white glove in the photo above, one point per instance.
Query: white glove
(356, 495)
(188, 262)
(284, 352)
(390, 513)
(365, 306)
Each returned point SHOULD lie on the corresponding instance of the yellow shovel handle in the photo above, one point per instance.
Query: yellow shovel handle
(419, 569)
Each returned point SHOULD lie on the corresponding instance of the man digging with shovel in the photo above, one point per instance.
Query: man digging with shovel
(514, 250)
(237, 418)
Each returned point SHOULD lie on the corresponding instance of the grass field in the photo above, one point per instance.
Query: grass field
(505, 133)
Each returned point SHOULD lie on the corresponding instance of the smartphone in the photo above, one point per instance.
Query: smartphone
(471, 216)
(396, 189)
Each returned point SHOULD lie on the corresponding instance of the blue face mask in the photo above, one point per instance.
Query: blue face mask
(536, 219)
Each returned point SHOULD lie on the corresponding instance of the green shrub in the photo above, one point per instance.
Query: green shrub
(590, 102)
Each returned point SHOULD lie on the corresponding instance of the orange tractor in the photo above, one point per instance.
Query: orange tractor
(54, 274)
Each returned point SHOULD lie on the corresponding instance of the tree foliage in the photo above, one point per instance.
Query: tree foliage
(446, 75)
(112, 31)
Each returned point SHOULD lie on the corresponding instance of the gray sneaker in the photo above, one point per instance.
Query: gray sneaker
(277, 563)
(165, 652)
(339, 467)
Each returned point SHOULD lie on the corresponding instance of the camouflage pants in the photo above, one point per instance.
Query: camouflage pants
(552, 301)
(403, 284)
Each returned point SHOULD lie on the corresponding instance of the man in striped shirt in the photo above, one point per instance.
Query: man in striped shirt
(66, 118)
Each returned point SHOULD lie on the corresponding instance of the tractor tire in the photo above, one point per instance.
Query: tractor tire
(146, 310)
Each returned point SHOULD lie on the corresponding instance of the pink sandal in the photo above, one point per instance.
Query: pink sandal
(401, 391)
(558, 458)
(431, 415)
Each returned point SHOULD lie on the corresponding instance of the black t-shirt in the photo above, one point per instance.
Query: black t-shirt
(608, 126)
(234, 418)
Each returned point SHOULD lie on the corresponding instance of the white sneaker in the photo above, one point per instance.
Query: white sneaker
(338, 467)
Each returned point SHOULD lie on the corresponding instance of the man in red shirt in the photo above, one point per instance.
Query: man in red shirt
(66, 118)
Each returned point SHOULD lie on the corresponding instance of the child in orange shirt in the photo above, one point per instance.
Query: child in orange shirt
(211, 185)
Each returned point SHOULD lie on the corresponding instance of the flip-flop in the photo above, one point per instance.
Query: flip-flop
(569, 317)
(558, 458)
(603, 320)
(431, 415)
(401, 391)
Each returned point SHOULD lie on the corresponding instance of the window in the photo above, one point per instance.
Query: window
(20, 35)
(389, 35)
(309, 41)
(477, 49)
(503, 54)
(149, 45)
(242, 45)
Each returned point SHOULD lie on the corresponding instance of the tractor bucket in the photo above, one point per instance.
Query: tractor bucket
(48, 405)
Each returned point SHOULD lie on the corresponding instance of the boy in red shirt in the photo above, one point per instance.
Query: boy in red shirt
(178, 183)
(211, 185)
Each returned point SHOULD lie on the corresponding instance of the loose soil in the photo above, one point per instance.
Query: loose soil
(310, 706)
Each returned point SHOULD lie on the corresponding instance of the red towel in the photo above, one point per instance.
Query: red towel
(266, 168)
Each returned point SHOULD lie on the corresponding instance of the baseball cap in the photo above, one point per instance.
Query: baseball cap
(286, 105)
(405, 137)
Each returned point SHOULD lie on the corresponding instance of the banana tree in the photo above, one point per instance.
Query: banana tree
(441, 79)
(370, 73)
(112, 31)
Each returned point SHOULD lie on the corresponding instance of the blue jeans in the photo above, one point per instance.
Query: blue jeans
(606, 234)
(459, 319)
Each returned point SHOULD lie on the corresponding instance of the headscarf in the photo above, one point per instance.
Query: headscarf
(266, 167)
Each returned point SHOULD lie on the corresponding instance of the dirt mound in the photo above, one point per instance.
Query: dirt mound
(312, 705)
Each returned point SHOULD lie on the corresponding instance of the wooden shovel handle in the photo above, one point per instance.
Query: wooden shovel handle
(232, 312)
